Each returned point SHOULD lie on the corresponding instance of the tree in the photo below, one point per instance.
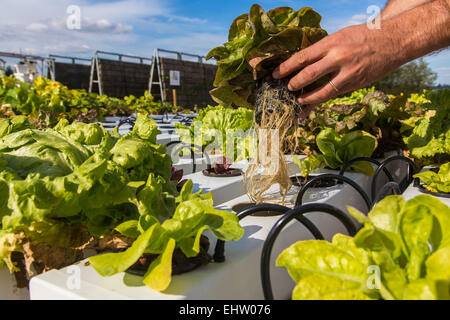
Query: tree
(9, 71)
(413, 77)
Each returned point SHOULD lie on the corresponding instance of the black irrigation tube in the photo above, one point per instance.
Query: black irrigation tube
(366, 159)
(337, 177)
(412, 167)
(278, 227)
(191, 148)
(386, 189)
(130, 121)
(183, 118)
(219, 252)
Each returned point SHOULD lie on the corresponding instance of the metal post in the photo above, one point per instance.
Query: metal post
(51, 69)
(161, 82)
(99, 77)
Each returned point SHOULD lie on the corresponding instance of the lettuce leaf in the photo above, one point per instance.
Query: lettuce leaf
(63, 186)
(337, 149)
(216, 126)
(406, 241)
(193, 215)
(429, 141)
(437, 182)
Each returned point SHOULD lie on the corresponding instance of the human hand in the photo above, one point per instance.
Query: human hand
(354, 57)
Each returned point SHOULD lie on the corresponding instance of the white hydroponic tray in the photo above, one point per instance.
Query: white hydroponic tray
(226, 189)
(166, 138)
(237, 278)
(201, 163)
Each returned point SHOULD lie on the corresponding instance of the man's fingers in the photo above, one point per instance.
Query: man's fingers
(299, 60)
(310, 74)
(322, 94)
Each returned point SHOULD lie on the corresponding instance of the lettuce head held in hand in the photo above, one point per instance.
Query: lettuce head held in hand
(258, 42)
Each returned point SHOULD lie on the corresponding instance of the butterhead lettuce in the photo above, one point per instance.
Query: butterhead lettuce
(76, 179)
(402, 252)
(338, 148)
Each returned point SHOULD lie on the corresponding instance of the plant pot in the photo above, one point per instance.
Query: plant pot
(180, 263)
(243, 206)
(300, 181)
(422, 189)
(232, 172)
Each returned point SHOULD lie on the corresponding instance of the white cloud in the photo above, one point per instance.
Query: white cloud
(38, 27)
(359, 17)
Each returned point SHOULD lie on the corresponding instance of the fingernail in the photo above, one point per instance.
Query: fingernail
(301, 101)
(290, 88)
(276, 74)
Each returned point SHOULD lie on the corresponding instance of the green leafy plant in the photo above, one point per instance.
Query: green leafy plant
(194, 214)
(60, 187)
(402, 252)
(429, 141)
(436, 182)
(354, 97)
(385, 117)
(337, 149)
(214, 126)
(73, 186)
(265, 39)
(45, 102)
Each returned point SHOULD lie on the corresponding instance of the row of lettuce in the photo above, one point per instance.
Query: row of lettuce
(78, 186)
(367, 123)
(45, 102)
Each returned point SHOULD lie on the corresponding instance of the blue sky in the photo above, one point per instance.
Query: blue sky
(138, 26)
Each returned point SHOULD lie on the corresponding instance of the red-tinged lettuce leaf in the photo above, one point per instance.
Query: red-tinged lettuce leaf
(177, 175)
(222, 165)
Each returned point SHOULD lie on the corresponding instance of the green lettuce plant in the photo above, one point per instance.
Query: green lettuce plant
(214, 126)
(337, 149)
(436, 182)
(429, 141)
(402, 252)
(194, 214)
(66, 188)
(372, 111)
(65, 185)
(355, 97)
(257, 43)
